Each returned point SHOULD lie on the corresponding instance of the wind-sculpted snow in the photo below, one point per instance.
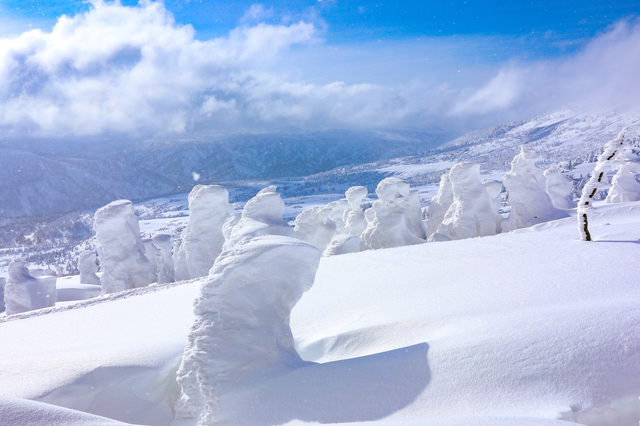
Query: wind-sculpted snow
(242, 322)
(202, 240)
(262, 215)
(387, 222)
(342, 244)
(120, 248)
(471, 213)
(25, 292)
(525, 183)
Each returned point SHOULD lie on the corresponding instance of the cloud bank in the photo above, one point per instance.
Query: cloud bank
(133, 71)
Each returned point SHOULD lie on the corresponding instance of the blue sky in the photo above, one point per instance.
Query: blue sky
(121, 67)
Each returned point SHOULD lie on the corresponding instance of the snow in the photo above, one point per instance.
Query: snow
(202, 241)
(471, 214)
(440, 203)
(624, 186)
(558, 187)
(387, 222)
(241, 330)
(25, 292)
(525, 183)
(88, 266)
(515, 329)
(342, 244)
(120, 248)
(314, 226)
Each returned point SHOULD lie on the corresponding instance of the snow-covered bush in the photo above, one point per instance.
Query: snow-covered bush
(341, 244)
(25, 292)
(354, 221)
(314, 227)
(558, 187)
(388, 225)
(526, 184)
(494, 189)
(242, 321)
(166, 270)
(202, 240)
(439, 205)
(262, 215)
(471, 214)
(120, 248)
(88, 266)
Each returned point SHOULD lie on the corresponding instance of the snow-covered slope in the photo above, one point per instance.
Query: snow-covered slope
(514, 329)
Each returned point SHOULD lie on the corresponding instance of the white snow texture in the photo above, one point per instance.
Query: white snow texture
(203, 239)
(88, 267)
(25, 292)
(242, 321)
(120, 248)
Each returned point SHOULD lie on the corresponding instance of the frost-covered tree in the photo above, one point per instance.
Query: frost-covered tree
(262, 215)
(314, 227)
(526, 184)
(625, 187)
(387, 222)
(24, 292)
(88, 266)
(354, 221)
(439, 205)
(166, 270)
(202, 240)
(120, 248)
(242, 321)
(150, 253)
(471, 214)
(615, 152)
(559, 187)
(494, 189)
(3, 283)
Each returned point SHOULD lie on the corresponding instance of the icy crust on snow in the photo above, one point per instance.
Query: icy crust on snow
(388, 221)
(471, 213)
(24, 292)
(241, 330)
(203, 239)
(262, 215)
(525, 182)
(120, 249)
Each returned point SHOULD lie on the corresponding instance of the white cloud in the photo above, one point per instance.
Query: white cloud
(603, 74)
(132, 70)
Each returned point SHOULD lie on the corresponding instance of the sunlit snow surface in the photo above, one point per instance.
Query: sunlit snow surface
(514, 329)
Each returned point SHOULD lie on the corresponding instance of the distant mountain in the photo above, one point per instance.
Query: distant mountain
(40, 178)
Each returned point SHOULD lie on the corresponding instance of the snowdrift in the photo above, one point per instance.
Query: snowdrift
(523, 328)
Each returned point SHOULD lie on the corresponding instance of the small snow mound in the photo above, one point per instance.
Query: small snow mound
(24, 292)
(342, 244)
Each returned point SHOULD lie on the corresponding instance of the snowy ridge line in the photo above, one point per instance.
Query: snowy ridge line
(97, 300)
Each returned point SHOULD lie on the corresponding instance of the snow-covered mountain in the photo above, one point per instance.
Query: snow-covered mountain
(53, 177)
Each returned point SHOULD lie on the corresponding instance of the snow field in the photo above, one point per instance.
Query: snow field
(514, 329)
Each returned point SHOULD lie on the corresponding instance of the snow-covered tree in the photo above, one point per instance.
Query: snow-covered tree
(242, 321)
(120, 248)
(387, 222)
(88, 266)
(202, 240)
(559, 187)
(314, 227)
(262, 215)
(615, 152)
(471, 214)
(166, 270)
(526, 184)
(24, 292)
(439, 205)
